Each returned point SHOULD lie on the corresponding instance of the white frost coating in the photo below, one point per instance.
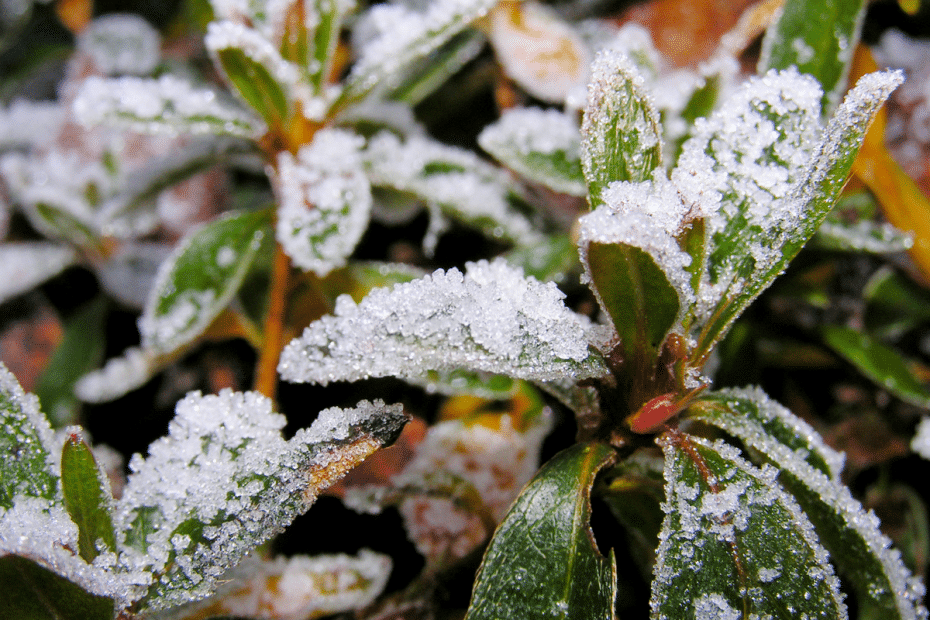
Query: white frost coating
(167, 105)
(28, 404)
(119, 376)
(921, 441)
(26, 265)
(225, 35)
(490, 319)
(714, 607)
(121, 43)
(325, 201)
(29, 123)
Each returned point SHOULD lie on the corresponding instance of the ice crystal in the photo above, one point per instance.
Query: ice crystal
(26, 265)
(491, 319)
(121, 43)
(325, 201)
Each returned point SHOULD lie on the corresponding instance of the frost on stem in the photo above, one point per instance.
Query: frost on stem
(491, 319)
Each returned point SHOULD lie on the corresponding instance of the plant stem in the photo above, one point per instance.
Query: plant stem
(266, 371)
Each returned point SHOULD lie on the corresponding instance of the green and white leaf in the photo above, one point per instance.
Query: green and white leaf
(491, 319)
(884, 586)
(423, 77)
(25, 265)
(119, 376)
(200, 278)
(25, 123)
(542, 145)
(818, 38)
(325, 201)
(87, 497)
(165, 105)
(121, 44)
(552, 258)
(322, 24)
(734, 544)
(621, 134)
(456, 181)
(542, 562)
(862, 236)
(224, 480)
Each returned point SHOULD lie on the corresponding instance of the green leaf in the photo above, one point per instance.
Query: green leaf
(224, 480)
(358, 278)
(81, 349)
(542, 562)
(881, 364)
(819, 38)
(197, 282)
(87, 497)
(863, 236)
(542, 145)
(733, 543)
(31, 592)
(25, 461)
(884, 587)
(257, 84)
(426, 75)
(554, 258)
(57, 222)
(894, 303)
(324, 39)
(621, 135)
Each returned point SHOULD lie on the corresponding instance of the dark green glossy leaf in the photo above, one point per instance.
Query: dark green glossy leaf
(819, 38)
(256, 85)
(733, 543)
(87, 498)
(621, 135)
(81, 349)
(25, 462)
(30, 592)
(197, 282)
(884, 587)
(882, 364)
(542, 562)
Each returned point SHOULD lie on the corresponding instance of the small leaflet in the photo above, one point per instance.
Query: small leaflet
(166, 105)
(325, 201)
(224, 480)
(491, 318)
(25, 265)
(119, 376)
(732, 539)
(121, 44)
(542, 145)
(455, 181)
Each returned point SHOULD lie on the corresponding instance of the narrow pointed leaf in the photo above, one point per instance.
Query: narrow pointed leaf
(87, 498)
(818, 38)
(621, 132)
(325, 36)
(31, 592)
(862, 236)
(895, 303)
(884, 587)
(224, 480)
(197, 282)
(882, 364)
(542, 145)
(734, 544)
(25, 265)
(425, 76)
(491, 319)
(542, 562)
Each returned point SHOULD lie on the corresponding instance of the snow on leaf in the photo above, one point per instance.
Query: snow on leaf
(119, 376)
(492, 318)
(120, 44)
(862, 236)
(25, 265)
(168, 105)
(325, 201)
(28, 123)
(542, 145)
(426, 75)
(224, 480)
(727, 525)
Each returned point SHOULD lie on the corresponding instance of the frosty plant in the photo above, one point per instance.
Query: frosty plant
(753, 524)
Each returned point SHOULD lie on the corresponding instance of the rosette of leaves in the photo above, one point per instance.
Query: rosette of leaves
(673, 259)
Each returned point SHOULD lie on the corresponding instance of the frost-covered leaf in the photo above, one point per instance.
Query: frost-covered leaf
(398, 36)
(456, 181)
(620, 128)
(426, 75)
(224, 480)
(310, 37)
(25, 265)
(27, 123)
(553, 258)
(542, 145)
(121, 44)
(87, 498)
(734, 544)
(26, 463)
(35, 593)
(490, 319)
(168, 105)
(863, 554)
(325, 201)
(819, 38)
(297, 588)
(81, 349)
(863, 236)
(538, 50)
(119, 376)
(542, 562)
(358, 278)
(197, 282)
(880, 363)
